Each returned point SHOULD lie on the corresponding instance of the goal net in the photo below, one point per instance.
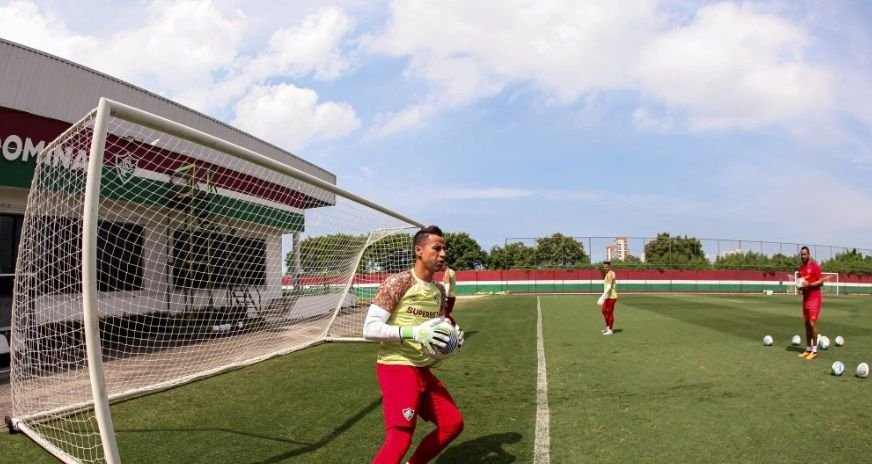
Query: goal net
(831, 284)
(153, 254)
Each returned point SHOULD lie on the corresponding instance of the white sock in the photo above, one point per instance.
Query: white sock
(808, 348)
(814, 349)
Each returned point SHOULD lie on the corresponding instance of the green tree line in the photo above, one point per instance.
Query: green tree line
(337, 252)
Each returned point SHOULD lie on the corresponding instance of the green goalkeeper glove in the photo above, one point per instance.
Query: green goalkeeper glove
(428, 334)
(459, 337)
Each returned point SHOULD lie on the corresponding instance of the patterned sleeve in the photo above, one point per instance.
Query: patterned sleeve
(391, 291)
(442, 295)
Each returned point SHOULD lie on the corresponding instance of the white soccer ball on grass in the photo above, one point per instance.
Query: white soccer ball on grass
(823, 343)
(838, 368)
(796, 340)
(840, 340)
(768, 341)
(862, 370)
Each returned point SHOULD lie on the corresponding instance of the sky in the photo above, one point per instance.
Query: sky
(518, 118)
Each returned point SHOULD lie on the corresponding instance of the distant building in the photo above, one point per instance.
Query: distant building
(737, 251)
(619, 250)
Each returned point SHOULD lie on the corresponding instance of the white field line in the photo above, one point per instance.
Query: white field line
(542, 446)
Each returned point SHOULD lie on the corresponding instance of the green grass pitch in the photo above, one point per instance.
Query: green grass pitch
(685, 379)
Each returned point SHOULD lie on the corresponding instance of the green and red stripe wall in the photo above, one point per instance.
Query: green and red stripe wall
(653, 280)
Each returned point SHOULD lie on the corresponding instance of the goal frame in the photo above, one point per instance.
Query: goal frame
(105, 110)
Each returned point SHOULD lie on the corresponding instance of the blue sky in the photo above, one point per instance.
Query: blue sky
(745, 120)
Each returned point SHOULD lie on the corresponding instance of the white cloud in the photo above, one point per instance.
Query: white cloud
(23, 22)
(312, 47)
(290, 116)
(734, 67)
(645, 118)
(189, 51)
(409, 117)
(729, 66)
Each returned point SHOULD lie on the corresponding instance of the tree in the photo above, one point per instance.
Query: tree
(848, 262)
(389, 254)
(323, 253)
(560, 251)
(744, 260)
(514, 255)
(629, 262)
(678, 252)
(464, 253)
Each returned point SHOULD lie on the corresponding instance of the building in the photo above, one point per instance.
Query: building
(728, 253)
(40, 97)
(619, 250)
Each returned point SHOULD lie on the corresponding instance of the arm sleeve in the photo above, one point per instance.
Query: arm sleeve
(376, 325)
(606, 289)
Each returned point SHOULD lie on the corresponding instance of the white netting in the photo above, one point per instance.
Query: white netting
(190, 272)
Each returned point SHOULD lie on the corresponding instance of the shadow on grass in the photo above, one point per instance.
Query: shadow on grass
(487, 449)
(733, 320)
(308, 448)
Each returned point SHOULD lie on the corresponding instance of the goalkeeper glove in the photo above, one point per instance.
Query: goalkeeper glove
(459, 336)
(600, 301)
(427, 334)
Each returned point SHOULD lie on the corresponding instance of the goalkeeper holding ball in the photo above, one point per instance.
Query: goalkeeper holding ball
(406, 317)
(609, 297)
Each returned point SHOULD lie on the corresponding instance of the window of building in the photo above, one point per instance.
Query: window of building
(207, 259)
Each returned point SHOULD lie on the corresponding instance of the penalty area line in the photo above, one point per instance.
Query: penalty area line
(542, 445)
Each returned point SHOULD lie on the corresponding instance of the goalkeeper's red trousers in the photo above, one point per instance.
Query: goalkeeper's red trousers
(407, 392)
(609, 311)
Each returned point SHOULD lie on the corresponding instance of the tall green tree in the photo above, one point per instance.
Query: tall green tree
(745, 260)
(560, 251)
(849, 262)
(325, 253)
(677, 252)
(463, 253)
(629, 262)
(513, 255)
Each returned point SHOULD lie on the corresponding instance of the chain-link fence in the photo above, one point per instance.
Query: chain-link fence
(665, 263)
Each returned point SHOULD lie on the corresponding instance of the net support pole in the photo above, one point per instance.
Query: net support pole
(89, 285)
(345, 290)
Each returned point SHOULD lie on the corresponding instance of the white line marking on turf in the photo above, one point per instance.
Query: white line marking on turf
(542, 445)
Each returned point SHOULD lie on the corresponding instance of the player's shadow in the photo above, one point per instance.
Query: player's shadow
(487, 449)
(468, 335)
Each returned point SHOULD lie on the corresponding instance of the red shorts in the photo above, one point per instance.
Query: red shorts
(811, 309)
(409, 391)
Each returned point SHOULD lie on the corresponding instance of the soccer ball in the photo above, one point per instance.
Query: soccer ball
(800, 282)
(840, 340)
(823, 343)
(838, 368)
(767, 340)
(795, 341)
(862, 370)
(450, 348)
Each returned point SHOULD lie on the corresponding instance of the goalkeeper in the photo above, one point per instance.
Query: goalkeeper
(609, 297)
(405, 316)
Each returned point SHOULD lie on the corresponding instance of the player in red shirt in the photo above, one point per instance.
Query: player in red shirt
(809, 282)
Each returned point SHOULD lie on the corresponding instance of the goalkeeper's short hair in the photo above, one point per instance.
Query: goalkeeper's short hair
(422, 235)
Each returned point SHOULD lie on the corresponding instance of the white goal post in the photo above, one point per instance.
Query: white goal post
(151, 255)
(830, 286)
